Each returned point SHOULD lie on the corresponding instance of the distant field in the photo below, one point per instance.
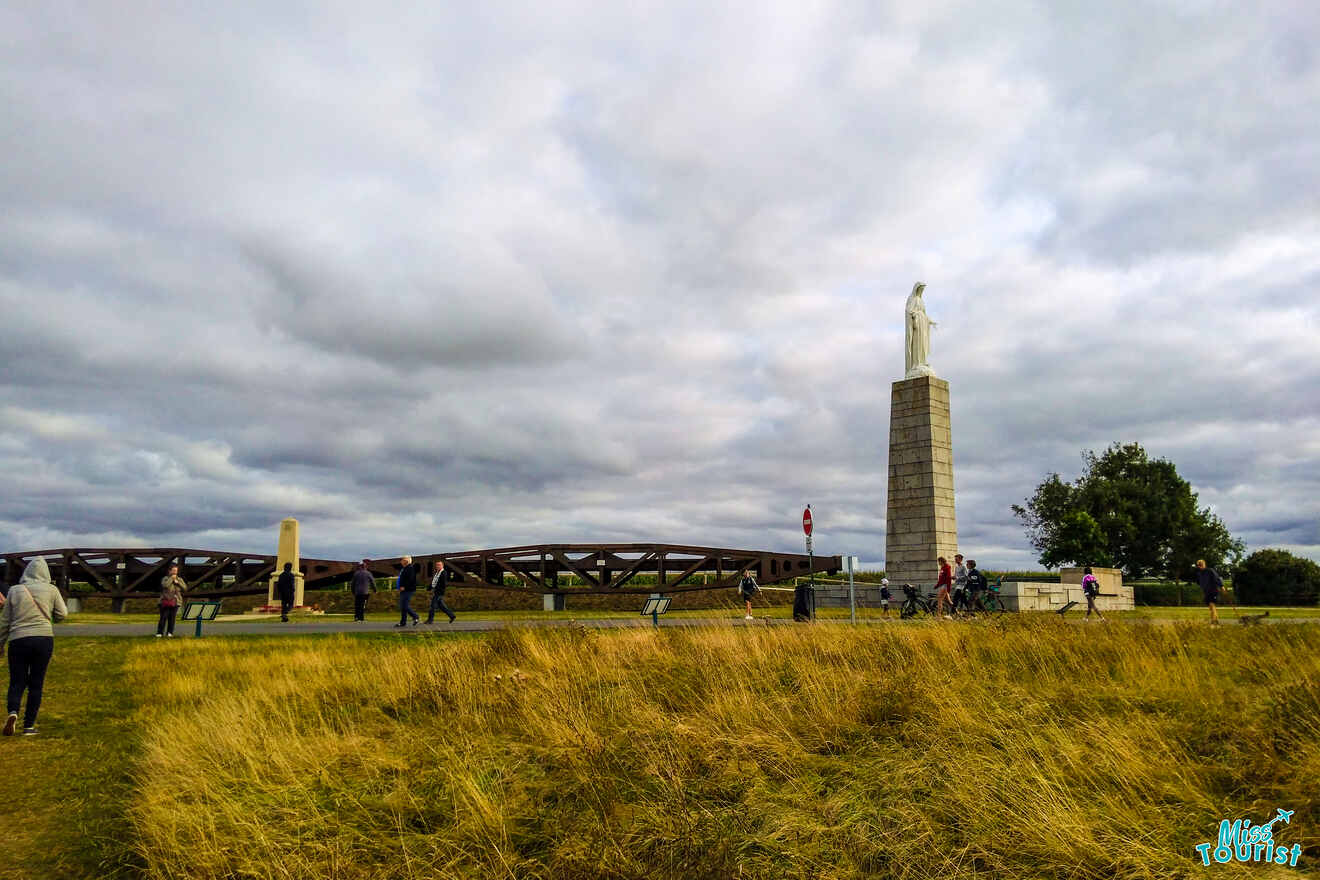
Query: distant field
(922, 751)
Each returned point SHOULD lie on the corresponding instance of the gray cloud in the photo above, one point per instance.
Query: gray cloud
(483, 276)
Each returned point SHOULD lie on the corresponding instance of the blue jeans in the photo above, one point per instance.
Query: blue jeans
(405, 607)
(438, 601)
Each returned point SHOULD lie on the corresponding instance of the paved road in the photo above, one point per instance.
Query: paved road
(306, 627)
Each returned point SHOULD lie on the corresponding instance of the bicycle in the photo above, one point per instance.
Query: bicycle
(914, 603)
(989, 601)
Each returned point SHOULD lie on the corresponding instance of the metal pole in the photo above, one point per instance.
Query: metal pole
(852, 594)
(811, 579)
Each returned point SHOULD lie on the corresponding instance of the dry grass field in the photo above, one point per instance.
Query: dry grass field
(1028, 749)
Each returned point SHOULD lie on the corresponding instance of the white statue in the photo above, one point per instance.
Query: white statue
(918, 325)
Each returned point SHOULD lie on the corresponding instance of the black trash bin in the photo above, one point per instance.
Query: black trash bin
(804, 602)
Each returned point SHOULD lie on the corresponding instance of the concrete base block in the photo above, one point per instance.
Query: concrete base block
(1038, 596)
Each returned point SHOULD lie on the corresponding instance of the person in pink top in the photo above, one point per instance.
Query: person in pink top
(943, 586)
(1091, 588)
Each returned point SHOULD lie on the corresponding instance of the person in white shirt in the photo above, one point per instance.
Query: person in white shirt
(959, 583)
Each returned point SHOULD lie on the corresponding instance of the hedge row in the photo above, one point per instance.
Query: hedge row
(471, 599)
(1166, 594)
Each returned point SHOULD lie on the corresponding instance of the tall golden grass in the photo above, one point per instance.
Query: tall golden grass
(1026, 750)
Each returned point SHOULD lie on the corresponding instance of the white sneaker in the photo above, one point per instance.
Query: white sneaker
(749, 617)
(158, 635)
(169, 635)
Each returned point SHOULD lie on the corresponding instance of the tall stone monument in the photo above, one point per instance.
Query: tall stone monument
(921, 525)
(286, 551)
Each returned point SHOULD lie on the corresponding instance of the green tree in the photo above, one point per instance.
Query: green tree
(1078, 540)
(1125, 510)
(1277, 577)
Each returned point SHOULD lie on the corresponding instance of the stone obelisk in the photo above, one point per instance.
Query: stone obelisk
(286, 551)
(921, 525)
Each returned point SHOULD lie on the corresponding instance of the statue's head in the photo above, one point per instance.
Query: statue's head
(918, 288)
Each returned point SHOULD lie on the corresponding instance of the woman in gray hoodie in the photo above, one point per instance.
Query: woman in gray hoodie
(33, 605)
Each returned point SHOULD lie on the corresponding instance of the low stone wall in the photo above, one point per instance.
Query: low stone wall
(1045, 596)
(836, 596)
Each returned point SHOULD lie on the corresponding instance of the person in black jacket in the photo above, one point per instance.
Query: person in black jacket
(407, 586)
(363, 584)
(1211, 583)
(976, 585)
(284, 586)
(439, 581)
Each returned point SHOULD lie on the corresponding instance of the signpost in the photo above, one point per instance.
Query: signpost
(804, 603)
(199, 611)
(655, 606)
(850, 563)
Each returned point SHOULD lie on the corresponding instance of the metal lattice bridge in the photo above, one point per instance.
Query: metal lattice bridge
(564, 569)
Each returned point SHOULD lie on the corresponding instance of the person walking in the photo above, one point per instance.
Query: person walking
(1090, 589)
(363, 584)
(884, 596)
(284, 585)
(33, 605)
(942, 586)
(1211, 583)
(407, 586)
(171, 595)
(959, 583)
(439, 581)
(976, 585)
(748, 588)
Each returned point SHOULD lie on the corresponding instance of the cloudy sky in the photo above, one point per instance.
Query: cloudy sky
(450, 276)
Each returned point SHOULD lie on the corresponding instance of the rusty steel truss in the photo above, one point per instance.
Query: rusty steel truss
(120, 574)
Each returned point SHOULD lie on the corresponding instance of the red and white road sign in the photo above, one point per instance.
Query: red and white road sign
(806, 522)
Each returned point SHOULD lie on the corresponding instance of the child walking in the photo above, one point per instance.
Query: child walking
(749, 588)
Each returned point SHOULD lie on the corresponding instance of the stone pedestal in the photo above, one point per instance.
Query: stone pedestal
(273, 595)
(1114, 594)
(921, 525)
(1053, 595)
(286, 551)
